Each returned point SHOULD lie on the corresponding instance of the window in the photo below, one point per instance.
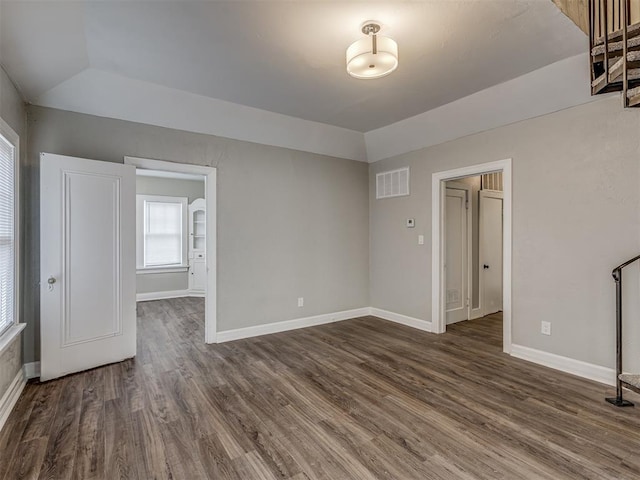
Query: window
(8, 228)
(162, 229)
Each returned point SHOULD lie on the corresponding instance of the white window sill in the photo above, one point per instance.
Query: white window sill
(151, 270)
(8, 336)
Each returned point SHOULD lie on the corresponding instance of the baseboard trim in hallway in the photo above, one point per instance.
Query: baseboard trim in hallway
(277, 327)
(31, 370)
(247, 332)
(146, 297)
(565, 364)
(401, 319)
(11, 396)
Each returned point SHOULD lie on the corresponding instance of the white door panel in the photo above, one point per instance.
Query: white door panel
(491, 251)
(87, 247)
(456, 248)
(198, 275)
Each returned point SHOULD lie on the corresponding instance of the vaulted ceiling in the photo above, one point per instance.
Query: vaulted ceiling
(287, 57)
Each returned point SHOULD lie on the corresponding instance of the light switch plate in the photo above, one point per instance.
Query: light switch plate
(420, 239)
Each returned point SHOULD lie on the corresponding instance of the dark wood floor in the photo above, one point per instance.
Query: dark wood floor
(360, 399)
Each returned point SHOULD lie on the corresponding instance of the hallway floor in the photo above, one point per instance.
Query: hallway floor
(359, 399)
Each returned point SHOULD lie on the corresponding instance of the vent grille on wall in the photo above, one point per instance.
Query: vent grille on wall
(492, 181)
(394, 183)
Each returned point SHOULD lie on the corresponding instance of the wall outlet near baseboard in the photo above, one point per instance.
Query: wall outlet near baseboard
(545, 328)
(300, 301)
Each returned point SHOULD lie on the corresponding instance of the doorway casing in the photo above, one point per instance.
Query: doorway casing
(209, 173)
(438, 188)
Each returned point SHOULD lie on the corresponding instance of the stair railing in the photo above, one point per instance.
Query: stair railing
(617, 276)
(607, 16)
(601, 26)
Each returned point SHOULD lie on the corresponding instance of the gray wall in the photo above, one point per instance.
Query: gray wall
(290, 224)
(162, 282)
(172, 187)
(192, 189)
(296, 224)
(576, 199)
(12, 111)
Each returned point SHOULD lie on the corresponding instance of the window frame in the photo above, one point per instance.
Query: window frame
(11, 330)
(141, 201)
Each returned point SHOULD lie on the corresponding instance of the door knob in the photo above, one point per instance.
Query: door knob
(485, 266)
(51, 280)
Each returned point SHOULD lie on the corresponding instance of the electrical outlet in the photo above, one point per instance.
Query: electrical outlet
(301, 301)
(545, 328)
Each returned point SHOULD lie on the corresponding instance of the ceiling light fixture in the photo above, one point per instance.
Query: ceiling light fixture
(374, 56)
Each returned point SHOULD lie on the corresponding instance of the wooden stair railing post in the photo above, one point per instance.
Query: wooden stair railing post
(605, 35)
(592, 36)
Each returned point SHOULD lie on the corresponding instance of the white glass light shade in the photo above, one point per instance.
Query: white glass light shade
(363, 63)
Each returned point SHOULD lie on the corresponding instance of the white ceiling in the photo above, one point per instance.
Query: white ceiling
(287, 57)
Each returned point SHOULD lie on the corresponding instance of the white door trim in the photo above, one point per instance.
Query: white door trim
(210, 321)
(438, 319)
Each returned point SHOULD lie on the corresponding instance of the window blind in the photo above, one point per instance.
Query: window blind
(163, 234)
(7, 234)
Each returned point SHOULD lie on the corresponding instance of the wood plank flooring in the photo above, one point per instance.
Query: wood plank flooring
(360, 399)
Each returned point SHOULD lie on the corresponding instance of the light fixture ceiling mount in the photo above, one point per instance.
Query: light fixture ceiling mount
(370, 28)
(372, 57)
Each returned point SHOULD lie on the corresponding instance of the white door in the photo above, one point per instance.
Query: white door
(490, 251)
(87, 264)
(456, 251)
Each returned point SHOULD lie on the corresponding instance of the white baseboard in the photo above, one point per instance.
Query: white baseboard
(565, 364)
(31, 370)
(11, 396)
(475, 313)
(237, 334)
(423, 325)
(145, 297)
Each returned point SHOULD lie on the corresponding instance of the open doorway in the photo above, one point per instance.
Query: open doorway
(170, 235)
(473, 251)
(471, 240)
(176, 238)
